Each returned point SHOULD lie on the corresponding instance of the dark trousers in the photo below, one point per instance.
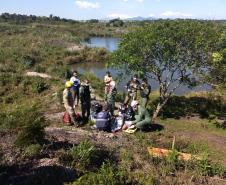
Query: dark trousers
(75, 95)
(85, 106)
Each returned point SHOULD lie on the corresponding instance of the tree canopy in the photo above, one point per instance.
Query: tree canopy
(172, 52)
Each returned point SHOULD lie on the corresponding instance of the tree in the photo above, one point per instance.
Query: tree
(217, 75)
(172, 52)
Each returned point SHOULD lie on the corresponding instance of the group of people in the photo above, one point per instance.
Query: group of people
(131, 115)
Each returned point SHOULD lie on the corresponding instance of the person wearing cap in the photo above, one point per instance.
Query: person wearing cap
(132, 87)
(69, 102)
(85, 99)
(143, 119)
(110, 96)
(75, 88)
(107, 79)
(145, 90)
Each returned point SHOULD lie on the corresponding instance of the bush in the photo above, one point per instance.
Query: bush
(78, 157)
(32, 133)
(39, 86)
(32, 150)
(107, 175)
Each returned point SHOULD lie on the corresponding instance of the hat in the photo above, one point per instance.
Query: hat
(68, 84)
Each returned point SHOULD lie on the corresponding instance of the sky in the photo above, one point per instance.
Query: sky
(108, 9)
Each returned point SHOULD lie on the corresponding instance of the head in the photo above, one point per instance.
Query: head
(75, 73)
(68, 84)
(108, 73)
(105, 107)
(85, 83)
(134, 104)
(135, 77)
(144, 81)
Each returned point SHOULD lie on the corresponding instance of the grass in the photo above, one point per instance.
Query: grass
(42, 47)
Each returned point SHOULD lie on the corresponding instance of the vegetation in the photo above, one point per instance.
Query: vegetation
(36, 151)
(170, 52)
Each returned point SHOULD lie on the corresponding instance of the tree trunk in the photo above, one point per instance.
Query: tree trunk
(158, 108)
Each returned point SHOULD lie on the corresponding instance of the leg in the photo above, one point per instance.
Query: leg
(77, 94)
(144, 123)
(71, 113)
(127, 99)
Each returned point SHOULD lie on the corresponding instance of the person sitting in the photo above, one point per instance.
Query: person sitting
(132, 87)
(75, 88)
(85, 99)
(68, 102)
(143, 119)
(103, 120)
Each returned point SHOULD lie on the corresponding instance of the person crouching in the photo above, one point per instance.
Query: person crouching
(69, 102)
(103, 120)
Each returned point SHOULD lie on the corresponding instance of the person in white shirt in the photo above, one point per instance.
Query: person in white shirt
(75, 88)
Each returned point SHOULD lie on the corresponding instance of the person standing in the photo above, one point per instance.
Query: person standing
(145, 90)
(110, 97)
(85, 99)
(68, 102)
(107, 79)
(75, 88)
(132, 86)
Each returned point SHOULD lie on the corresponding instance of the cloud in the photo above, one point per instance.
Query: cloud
(175, 14)
(87, 5)
(140, 1)
(151, 15)
(119, 15)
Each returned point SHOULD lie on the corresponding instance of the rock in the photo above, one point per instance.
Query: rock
(42, 75)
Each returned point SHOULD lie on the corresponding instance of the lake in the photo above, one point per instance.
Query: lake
(110, 43)
(99, 69)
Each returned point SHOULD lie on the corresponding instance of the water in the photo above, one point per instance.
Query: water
(99, 69)
(111, 44)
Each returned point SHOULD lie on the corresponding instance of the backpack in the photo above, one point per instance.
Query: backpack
(103, 121)
(66, 118)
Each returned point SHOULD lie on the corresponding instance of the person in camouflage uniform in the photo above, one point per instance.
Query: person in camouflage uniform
(68, 101)
(145, 90)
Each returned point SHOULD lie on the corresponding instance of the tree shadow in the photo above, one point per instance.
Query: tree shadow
(43, 175)
(181, 106)
(153, 128)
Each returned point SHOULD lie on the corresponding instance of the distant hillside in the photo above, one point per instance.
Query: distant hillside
(141, 18)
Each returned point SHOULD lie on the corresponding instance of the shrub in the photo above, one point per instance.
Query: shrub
(39, 86)
(78, 157)
(32, 133)
(107, 175)
(32, 150)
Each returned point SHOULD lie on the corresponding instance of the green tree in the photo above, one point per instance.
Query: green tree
(172, 52)
(217, 75)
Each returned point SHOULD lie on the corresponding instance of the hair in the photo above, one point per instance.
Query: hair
(108, 73)
(135, 76)
(105, 107)
(75, 72)
(145, 80)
